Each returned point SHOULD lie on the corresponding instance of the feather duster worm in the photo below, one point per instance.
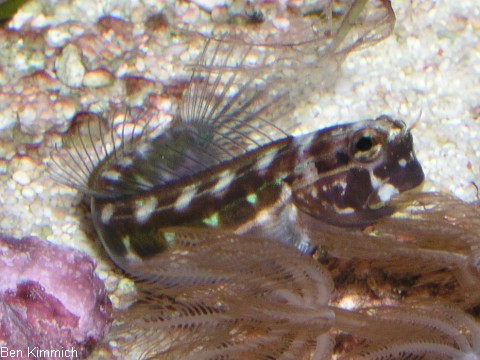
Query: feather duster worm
(221, 296)
(216, 298)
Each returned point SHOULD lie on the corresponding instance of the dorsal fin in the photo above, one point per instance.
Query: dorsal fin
(224, 113)
(229, 103)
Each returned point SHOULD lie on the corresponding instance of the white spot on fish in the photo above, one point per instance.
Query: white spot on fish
(402, 163)
(143, 149)
(144, 208)
(343, 211)
(375, 181)
(107, 213)
(131, 254)
(386, 192)
(225, 179)
(303, 143)
(125, 162)
(126, 243)
(112, 175)
(266, 160)
(185, 197)
(142, 181)
(262, 217)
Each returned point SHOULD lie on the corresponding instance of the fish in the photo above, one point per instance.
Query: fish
(341, 175)
(217, 167)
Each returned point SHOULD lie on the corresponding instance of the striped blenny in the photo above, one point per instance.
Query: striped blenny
(218, 167)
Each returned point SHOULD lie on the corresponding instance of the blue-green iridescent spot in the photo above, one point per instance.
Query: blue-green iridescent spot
(252, 198)
(212, 220)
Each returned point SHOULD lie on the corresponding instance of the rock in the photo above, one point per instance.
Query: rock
(50, 299)
(69, 67)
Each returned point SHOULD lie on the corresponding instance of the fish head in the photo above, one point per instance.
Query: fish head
(370, 162)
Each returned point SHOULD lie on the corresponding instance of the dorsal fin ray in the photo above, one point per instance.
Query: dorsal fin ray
(226, 103)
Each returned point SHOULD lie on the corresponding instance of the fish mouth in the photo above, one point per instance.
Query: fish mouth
(410, 181)
(410, 178)
(381, 197)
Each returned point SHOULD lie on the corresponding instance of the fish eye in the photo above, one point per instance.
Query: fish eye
(366, 146)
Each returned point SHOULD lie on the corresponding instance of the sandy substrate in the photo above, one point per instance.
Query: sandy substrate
(427, 73)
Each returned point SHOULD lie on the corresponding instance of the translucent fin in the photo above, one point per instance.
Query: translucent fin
(242, 90)
(230, 106)
(94, 146)
(223, 114)
(83, 147)
(305, 58)
(216, 295)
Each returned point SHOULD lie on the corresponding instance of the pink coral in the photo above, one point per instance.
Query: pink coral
(50, 299)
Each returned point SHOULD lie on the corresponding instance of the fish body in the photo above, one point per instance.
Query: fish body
(341, 175)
